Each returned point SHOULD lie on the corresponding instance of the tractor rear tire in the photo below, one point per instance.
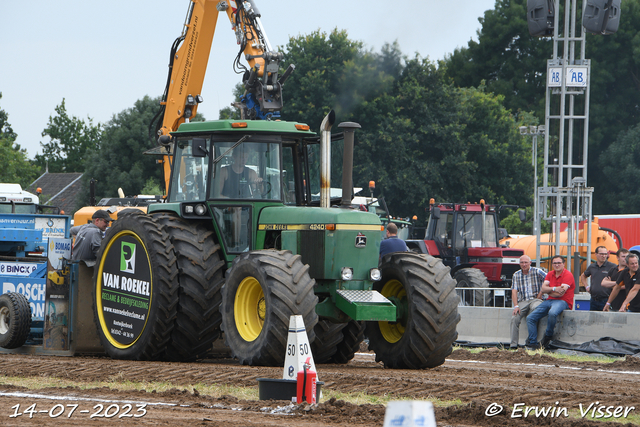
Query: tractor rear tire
(424, 292)
(328, 337)
(135, 289)
(198, 320)
(15, 320)
(473, 278)
(352, 337)
(262, 291)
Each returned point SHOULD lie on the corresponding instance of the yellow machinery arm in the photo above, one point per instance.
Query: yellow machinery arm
(190, 55)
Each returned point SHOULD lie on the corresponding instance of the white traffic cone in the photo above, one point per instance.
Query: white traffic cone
(298, 349)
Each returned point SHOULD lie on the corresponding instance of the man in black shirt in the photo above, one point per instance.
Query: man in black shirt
(614, 273)
(629, 278)
(598, 271)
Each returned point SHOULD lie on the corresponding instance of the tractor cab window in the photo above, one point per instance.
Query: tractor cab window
(288, 176)
(191, 164)
(444, 229)
(469, 229)
(250, 170)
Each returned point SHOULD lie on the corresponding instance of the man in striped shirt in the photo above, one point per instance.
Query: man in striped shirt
(526, 295)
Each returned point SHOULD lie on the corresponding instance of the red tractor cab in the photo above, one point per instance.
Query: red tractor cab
(466, 237)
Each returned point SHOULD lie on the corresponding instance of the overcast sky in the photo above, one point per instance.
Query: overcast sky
(102, 56)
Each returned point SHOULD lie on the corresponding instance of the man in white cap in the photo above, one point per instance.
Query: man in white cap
(89, 237)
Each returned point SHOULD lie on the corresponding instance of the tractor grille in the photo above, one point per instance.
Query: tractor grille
(509, 269)
(311, 249)
(508, 253)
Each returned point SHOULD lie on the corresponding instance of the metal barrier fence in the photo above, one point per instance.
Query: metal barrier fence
(484, 297)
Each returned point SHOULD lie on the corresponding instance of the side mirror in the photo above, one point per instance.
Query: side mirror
(435, 213)
(523, 215)
(199, 147)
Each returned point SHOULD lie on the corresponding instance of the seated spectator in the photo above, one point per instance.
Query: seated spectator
(560, 286)
(526, 294)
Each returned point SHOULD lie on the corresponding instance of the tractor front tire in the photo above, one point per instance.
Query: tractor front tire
(262, 291)
(424, 292)
(473, 278)
(200, 277)
(135, 289)
(15, 320)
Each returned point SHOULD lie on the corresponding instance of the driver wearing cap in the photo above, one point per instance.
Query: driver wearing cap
(89, 237)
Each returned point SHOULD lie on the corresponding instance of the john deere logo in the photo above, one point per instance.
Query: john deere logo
(128, 257)
(361, 240)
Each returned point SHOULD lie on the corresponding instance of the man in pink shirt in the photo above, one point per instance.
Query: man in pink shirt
(560, 286)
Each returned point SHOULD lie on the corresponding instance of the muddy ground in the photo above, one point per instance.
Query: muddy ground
(483, 383)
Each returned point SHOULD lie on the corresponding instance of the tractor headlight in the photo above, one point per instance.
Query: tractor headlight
(200, 210)
(375, 274)
(188, 209)
(347, 273)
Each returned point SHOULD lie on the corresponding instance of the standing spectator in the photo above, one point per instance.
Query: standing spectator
(526, 294)
(392, 243)
(614, 273)
(89, 237)
(628, 278)
(598, 271)
(560, 286)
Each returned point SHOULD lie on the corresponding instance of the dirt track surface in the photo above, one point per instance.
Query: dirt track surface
(481, 381)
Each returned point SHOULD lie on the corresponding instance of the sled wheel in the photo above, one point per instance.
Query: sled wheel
(15, 320)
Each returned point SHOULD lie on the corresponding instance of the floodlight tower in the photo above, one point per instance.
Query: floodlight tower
(564, 198)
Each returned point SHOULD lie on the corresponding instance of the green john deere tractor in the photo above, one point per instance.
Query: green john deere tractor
(247, 238)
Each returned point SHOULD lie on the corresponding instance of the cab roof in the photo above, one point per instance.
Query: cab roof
(268, 126)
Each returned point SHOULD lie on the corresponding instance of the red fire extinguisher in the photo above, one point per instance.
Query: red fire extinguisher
(306, 384)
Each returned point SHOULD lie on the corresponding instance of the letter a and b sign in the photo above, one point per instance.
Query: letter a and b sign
(576, 76)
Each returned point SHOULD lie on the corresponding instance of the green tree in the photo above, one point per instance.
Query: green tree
(71, 140)
(435, 140)
(16, 167)
(514, 225)
(620, 163)
(118, 161)
(333, 72)
(231, 113)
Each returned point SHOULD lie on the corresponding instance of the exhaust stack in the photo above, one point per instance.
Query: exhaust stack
(325, 159)
(347, 162)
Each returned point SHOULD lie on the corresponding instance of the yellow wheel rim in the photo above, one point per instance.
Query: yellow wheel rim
(249, 309)
(392, 331)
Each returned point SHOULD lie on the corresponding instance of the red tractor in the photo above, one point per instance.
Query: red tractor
(466, 237)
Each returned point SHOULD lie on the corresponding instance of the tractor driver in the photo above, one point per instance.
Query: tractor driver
(236, 180)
